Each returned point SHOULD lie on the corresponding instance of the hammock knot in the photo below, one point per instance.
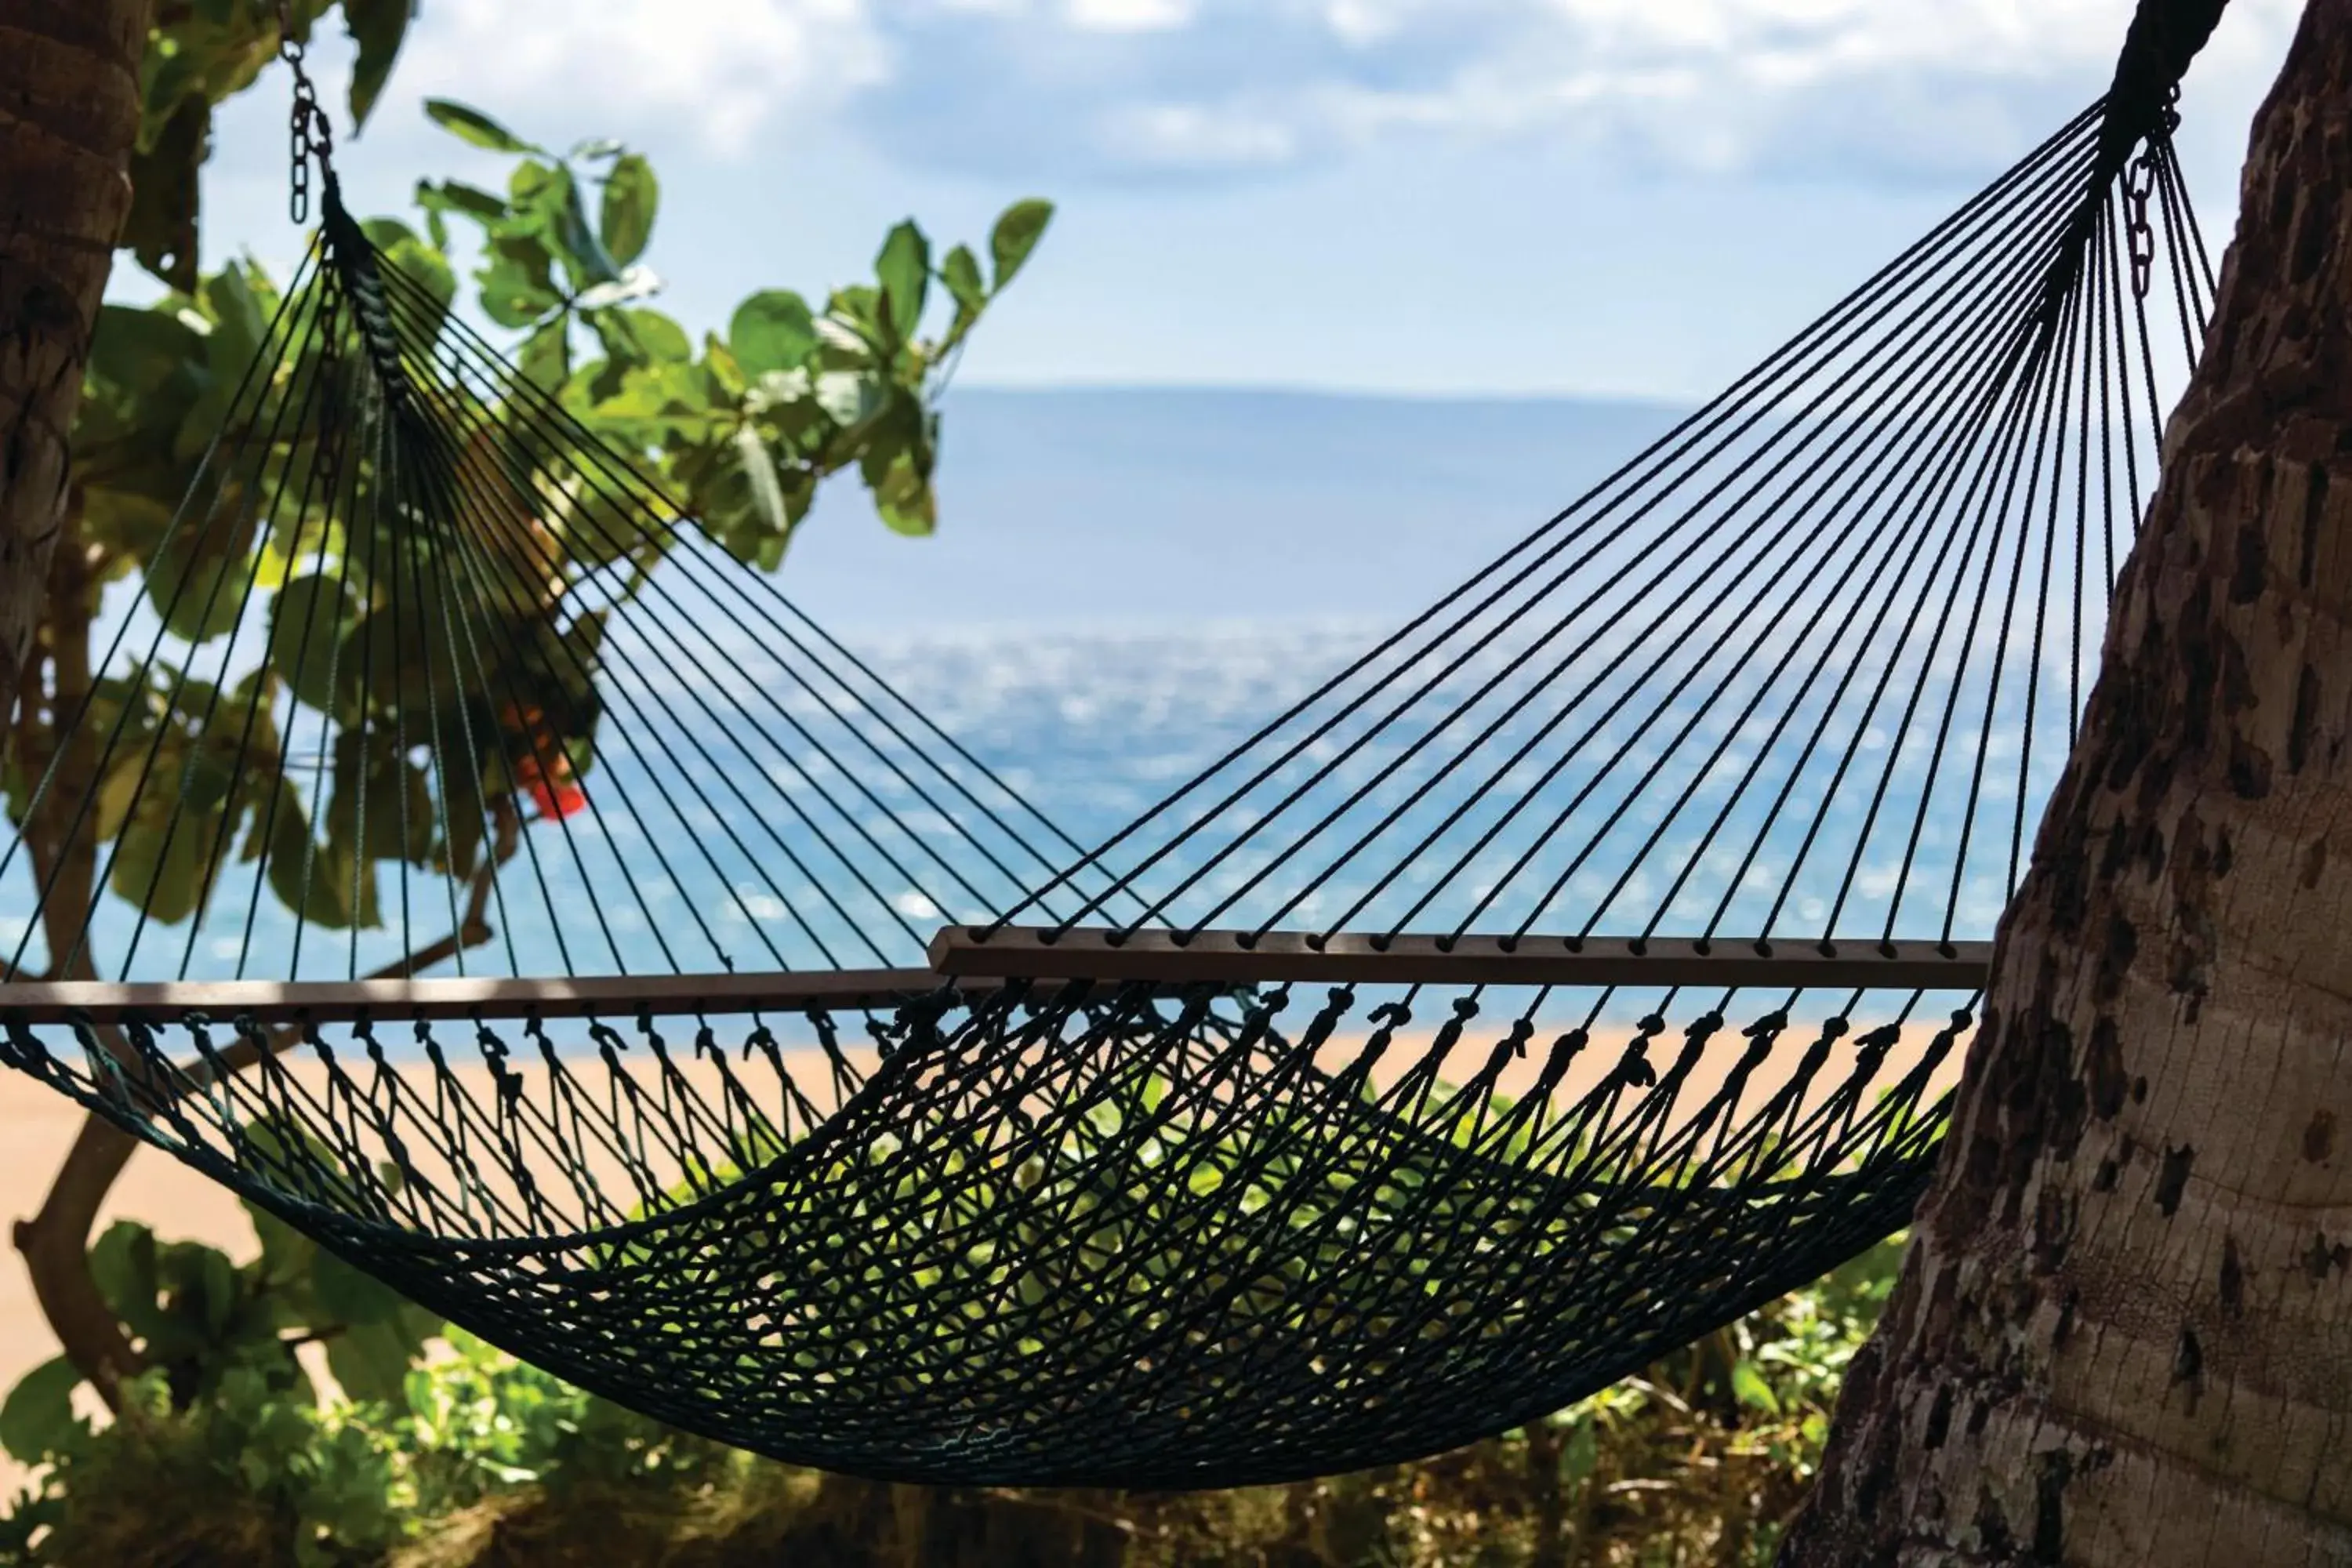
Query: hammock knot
(1449, 1033)
(1264, 1009)
(1326, 1023)
(1810, 1065)
(24, 1049)
(1872, 1049)
(1515, 1042)
(654, 1041)
(143, 1039)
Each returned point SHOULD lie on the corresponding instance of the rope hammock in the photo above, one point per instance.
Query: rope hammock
(1579, 968)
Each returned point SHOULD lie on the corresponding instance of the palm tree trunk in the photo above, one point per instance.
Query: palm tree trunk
(2124, 1333)
(69, 114)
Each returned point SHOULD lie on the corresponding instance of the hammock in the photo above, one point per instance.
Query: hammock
(1577, 970)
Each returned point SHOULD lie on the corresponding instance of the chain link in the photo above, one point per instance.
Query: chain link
(2139, 184)
(309, 133)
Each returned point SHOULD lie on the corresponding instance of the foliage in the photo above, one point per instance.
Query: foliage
(744, 428)
(201, 53)
(469, 1458)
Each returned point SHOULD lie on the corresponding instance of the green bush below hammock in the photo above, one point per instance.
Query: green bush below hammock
(466, 1458)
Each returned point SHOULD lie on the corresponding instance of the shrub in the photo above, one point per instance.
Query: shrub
(467, 1458)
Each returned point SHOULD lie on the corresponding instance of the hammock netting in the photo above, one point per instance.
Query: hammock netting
(512, 890)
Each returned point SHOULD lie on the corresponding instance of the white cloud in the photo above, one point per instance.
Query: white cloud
(729, 67)
(1149, 86)
(1129, 16)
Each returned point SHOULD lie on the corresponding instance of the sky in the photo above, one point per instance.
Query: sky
(1427, 197)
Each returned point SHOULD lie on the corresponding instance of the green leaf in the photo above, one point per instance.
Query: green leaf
(904, 269)
(122, 1266)
(238, 323)
(469, 124)
(118, 794)
(851, 332)
(1017, 233)
(642, 337)
(546, 357)
(377, 26)
(159, 863)
(210, 1284)
(771, 331)
(960, 273)
(138, 350)
(37, 1419)
(905, 500)
(852, 399)
(285, 1252)
(767, 488)
(160, 227)
(370, 1361)
(1749, 1386)
(897, 465)
(309, 620)
(399, 811)
(391, 659)
(456, 196)
(631, 197)
(311, 889)
(518, 282)
(351, 1296)
(198, 595)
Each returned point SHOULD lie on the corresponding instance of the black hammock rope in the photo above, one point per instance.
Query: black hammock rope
(1579, 968)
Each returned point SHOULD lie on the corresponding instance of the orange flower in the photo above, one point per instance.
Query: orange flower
(559, 800)
(553, 790)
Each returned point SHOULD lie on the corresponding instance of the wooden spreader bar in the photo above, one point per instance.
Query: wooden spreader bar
(973, 963)
(1347, 959)
(606, 996)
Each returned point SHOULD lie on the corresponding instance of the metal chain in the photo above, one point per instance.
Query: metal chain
(308, 132)
(2139, 184)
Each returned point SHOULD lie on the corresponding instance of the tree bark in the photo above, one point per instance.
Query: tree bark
(2124, 1332)
(69, 114)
